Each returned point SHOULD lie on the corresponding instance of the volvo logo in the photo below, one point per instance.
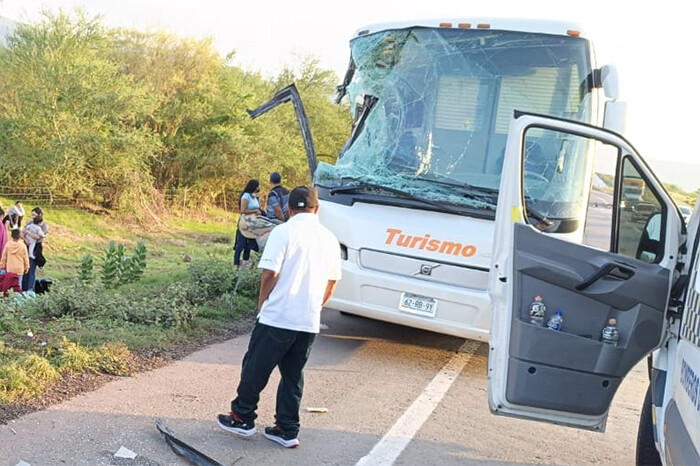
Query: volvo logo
(426, 269)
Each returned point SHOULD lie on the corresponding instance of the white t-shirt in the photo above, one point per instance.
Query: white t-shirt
(305, 254)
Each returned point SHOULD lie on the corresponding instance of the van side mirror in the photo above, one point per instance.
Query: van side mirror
(650, 248)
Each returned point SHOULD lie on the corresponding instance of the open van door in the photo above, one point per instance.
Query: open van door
(562, 233)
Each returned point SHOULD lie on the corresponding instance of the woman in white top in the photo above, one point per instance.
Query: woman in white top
(250, 202)
(249, 205)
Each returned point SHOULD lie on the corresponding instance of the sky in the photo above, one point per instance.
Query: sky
(653, 48)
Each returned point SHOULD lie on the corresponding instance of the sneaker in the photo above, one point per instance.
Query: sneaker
(232, 423)
(276, 435)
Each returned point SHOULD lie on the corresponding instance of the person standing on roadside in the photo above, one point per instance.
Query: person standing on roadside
(277, 199)
(14, 259)
(30, 277)
(32, 234)
(300, 268)
(16, 214)
(3, 231)
(249, 204)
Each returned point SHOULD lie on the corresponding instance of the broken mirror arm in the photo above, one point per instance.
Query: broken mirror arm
(290, 93)
(342, 88)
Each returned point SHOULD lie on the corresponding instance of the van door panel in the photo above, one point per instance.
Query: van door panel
(570, 376)
(544, 363)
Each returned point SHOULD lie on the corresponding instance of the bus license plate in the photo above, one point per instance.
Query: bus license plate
(420, 305)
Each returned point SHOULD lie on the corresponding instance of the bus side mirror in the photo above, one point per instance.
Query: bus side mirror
(610, 81)
(615, 116)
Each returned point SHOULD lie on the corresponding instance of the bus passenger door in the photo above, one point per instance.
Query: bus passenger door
(564, 235)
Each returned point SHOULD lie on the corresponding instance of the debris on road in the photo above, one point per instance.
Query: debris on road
(181, 448)
(316, 410)
(124, 452)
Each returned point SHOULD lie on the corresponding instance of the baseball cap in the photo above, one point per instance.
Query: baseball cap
(275, 177)
(303, 197)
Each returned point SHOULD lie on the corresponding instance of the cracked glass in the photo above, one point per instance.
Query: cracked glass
(433, 106)
(556, 168)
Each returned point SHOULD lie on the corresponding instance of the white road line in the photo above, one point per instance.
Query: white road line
(393, 443)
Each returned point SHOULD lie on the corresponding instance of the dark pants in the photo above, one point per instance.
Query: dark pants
(243, 245)
(29, 278)
(269, 347)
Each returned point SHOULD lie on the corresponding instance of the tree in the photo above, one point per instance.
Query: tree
(85, 110)
(67, 116)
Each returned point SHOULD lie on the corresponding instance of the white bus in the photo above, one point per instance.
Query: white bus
(412, 196)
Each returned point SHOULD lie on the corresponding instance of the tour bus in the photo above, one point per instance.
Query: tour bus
(412, 196)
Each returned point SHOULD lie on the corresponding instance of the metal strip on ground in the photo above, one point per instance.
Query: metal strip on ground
(181, 448)
(402, 432)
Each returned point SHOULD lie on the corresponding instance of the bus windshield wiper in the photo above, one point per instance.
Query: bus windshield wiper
(368, 105)
(543, 223)
(364, 187)
(481, 193)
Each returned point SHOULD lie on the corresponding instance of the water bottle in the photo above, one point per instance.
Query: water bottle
(556, 322)
(537, 311)
(610, 333)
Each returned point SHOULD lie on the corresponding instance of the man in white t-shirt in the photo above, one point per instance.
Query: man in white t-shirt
(300, 268)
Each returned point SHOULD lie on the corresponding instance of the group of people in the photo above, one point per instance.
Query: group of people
(21, 247)
(300, 265)
(256, 222)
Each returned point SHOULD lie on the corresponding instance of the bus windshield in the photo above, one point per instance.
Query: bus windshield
(432, 108)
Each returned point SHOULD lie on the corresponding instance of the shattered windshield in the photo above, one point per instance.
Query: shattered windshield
(432, 107)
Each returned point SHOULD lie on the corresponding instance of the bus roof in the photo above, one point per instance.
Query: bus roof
(508, 24)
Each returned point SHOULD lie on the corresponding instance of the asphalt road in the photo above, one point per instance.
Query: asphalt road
(394, 395)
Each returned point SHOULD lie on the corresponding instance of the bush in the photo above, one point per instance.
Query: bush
(113, 358)
(215, 278)
(237, 306)
(68, 298)
(25, 378)
(9, 305)
(73, 358)
(249, 285)
(8, 354)
(169, 307)
(10, 321)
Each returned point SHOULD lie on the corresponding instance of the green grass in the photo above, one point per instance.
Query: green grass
(184, 295)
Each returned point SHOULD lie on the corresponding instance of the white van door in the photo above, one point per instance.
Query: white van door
(564, 233)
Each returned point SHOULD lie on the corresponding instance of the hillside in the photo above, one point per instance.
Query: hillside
(682, 174)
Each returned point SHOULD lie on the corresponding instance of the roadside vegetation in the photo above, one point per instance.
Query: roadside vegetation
(679, 195)
(183, 295)
(137, 146)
